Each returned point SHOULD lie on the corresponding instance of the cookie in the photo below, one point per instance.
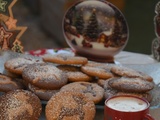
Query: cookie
(108, 91)
(8, 84)
(20, 105)
(131, 84)
(65, 59)
(70, 106)
(43, 94)
(74, 73)
(92, 90)
(101, 73)
(128, 72)
(16, 65)
(45, 76)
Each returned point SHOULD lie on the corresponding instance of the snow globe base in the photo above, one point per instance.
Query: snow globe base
(95, 29)
(104, 59)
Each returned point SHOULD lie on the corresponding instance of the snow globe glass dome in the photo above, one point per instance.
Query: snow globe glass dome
(95, 29)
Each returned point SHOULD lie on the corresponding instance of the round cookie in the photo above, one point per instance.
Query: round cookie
(74, 73)
(131, 84)
(70, 106)
(20, 105)
(101, 73)
(8, 84)
(92, 90)
(45, 76)
(65, 59)
(108, 91)
(43, 94)
(16, 65)
(128, 72)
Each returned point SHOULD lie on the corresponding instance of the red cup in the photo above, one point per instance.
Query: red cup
(126, 107)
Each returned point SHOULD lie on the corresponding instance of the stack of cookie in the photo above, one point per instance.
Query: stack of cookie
(45, 79)
(113, 79)
(52, 73)
(75, 79)
(127, 81)
(78, 80)
(41, 78)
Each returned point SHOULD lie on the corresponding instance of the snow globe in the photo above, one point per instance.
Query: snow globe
(95, 29)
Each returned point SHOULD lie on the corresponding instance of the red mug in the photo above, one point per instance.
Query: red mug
(126, 107)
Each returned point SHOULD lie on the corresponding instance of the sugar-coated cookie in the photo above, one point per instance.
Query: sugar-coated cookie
(20, 105)
(45, 76)
(131, 84)
(65, 59)
(16, 65)
(128, 72)
(70, 106)
(92, 90)
(101, 73)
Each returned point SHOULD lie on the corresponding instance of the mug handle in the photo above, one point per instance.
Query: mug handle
(148, 117)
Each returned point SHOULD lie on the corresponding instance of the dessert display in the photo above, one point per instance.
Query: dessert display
(53, 81)
(70, 86)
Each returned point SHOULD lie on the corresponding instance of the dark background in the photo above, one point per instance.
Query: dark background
(44, 21)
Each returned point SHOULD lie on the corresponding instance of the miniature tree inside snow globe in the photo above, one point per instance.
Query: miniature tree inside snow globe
(95, 29)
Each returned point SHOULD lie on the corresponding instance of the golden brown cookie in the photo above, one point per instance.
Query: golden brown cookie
(74, 73)
(45, 76)
(131, 84)
(20, 105)
(65, 59)
(92, 90)
(8, 84)
(16, 65)
(101, 73)
(70, 106)
(128, 72)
